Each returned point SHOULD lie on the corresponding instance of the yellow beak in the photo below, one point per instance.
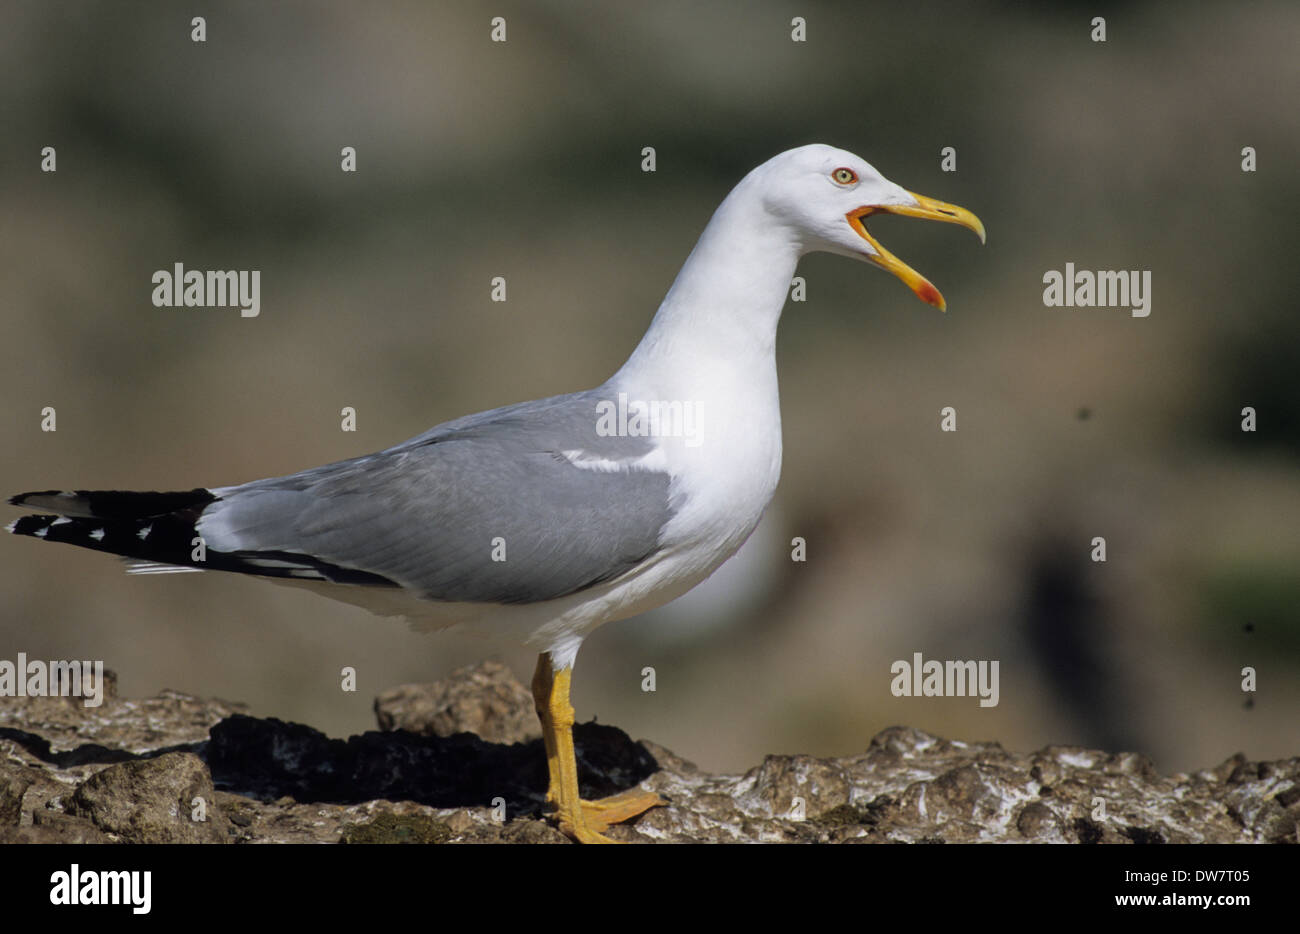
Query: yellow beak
(928, 208)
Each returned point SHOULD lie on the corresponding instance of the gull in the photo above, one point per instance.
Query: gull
(540, 521)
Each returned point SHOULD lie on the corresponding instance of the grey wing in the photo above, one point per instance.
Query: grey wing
(488, 509)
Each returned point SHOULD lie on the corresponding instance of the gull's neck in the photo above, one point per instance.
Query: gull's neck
(718, 321)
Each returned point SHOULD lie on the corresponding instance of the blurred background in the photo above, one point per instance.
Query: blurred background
(522, 159)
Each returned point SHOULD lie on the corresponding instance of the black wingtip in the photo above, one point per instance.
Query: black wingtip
(21, 498)
(112, 504)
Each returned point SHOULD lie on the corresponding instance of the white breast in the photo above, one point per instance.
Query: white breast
(725, 473)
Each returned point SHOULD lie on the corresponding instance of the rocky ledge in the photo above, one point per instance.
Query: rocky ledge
(459, 762)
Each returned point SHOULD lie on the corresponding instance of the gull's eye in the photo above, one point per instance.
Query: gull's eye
(844, 176)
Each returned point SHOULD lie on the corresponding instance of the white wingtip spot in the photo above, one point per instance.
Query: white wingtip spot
(97, 535)
(153, 567)
(308, 574)
(62, 520)
(41, 533)
(144, 532)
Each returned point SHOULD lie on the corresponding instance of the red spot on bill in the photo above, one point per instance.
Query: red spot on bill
(929, 294)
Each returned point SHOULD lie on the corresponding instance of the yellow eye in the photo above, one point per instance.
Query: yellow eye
(844, 176)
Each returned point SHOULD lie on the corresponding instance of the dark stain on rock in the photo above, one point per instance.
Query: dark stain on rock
(1035, 819)
(842, 816)
(1142, 835)
(85, 754)
(271, 759)
(398, 828)
(1088, 831)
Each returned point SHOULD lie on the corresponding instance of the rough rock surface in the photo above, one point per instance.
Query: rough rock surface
(152, 801)
(141, 770)
(484, 699)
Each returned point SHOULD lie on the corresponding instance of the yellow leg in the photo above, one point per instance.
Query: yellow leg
(582, 820)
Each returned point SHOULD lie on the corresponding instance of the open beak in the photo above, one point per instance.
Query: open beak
(928, 208)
